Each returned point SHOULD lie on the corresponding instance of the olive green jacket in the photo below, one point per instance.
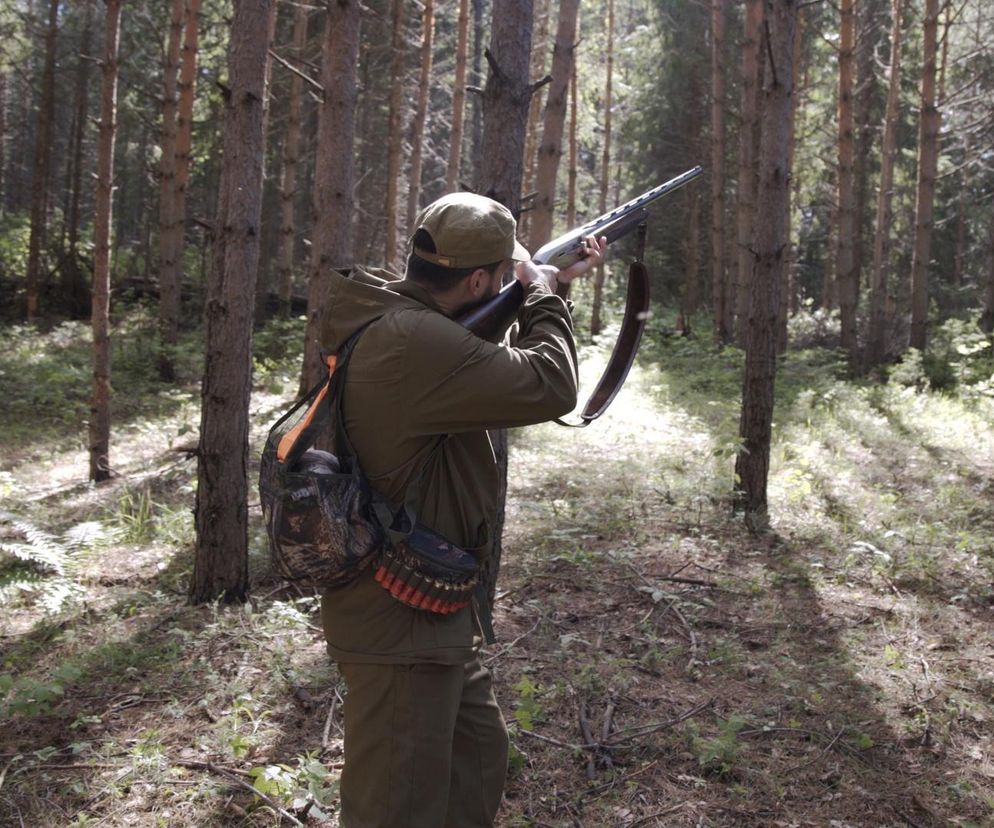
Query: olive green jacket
(421, 391)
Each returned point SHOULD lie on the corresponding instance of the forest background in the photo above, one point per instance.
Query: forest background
(759, 595)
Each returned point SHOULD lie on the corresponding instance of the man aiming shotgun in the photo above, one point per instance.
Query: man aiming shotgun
(425, 743)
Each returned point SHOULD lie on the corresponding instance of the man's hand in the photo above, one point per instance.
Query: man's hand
(594, 251)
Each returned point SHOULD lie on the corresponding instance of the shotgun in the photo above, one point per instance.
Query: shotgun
(493, 318)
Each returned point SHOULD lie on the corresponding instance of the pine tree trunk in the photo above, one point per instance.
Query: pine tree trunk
(395, 138)
(876, 340)
(42, 175)
(788, 298)
(220, 568)
(173, 220)
(987, 316)
(539, 48)
(846, 277)
(719, 277)
(75, 287)
(458, 101)
(597, 301)
(99, 429)
(928, 161)
(769, 245)
(291, 158)
(476, 132)
(333, 171)
(748, 144)
(3, 141)
(550, 151)
(420, 113)
(168, 287)
(573, 151)
(505, 98)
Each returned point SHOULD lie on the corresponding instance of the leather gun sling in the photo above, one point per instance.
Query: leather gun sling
(627, 344)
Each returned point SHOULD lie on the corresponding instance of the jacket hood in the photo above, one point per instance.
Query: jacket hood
(359, 296)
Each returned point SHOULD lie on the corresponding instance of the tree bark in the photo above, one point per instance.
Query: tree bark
(597, 300)
(220, 568)
(75, 285)
(987, 316)
(168, 285)
(291, 158)
(333, 171)
(550, 151)
(458, 101)
(748, 144)
(420, 113)
(99, 428)
(928, 161)
(719, 276)
(573, 152)
(769, 246)
(395, 137)
(846, 276)
(876, 339)
(539, 48)
(506, 98)
(42, 156)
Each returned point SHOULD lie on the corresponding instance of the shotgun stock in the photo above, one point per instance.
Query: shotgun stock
(492, 319)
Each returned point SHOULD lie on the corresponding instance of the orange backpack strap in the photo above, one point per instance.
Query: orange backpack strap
(290, 438)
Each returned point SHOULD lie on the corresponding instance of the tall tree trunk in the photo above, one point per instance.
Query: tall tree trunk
(420, 113)
(573, 151)
(291, 158)
(692, 248)
(720, 299)
(75, 287)
(220, 566)
(928, 161)
(598, 298)
(333, 171)
(42, 157)
(99, 429)
(173, 219)
(539, 48)
(550, 151)
(876, 340)
(506, 99)
(3, 141)
(788, 298)
(395, 139)
(769, 245)
(458, 101)
(168, 286)
(987, 316)
(846, 277)
(745, 209)
(476, 132)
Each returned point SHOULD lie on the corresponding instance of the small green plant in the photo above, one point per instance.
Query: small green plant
(309, 785)
(43, 566)
(720, 754)
(30, 696)
(136, 517)
(528, 709)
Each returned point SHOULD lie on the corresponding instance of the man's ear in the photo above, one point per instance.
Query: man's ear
(478, 281)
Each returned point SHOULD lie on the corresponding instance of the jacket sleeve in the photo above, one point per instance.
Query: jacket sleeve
(469, 384)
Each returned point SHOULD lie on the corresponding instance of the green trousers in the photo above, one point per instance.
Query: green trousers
(425, 746)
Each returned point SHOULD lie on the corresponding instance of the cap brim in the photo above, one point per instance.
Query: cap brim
(520, 253)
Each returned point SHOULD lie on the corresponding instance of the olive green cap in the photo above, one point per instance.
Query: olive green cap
(469, 230)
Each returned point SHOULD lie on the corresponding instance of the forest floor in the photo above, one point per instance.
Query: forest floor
(658, 664)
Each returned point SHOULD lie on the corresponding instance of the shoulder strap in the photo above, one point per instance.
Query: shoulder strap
(627, 344)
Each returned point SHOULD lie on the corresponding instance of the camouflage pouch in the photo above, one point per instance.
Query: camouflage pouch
(317, 506)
